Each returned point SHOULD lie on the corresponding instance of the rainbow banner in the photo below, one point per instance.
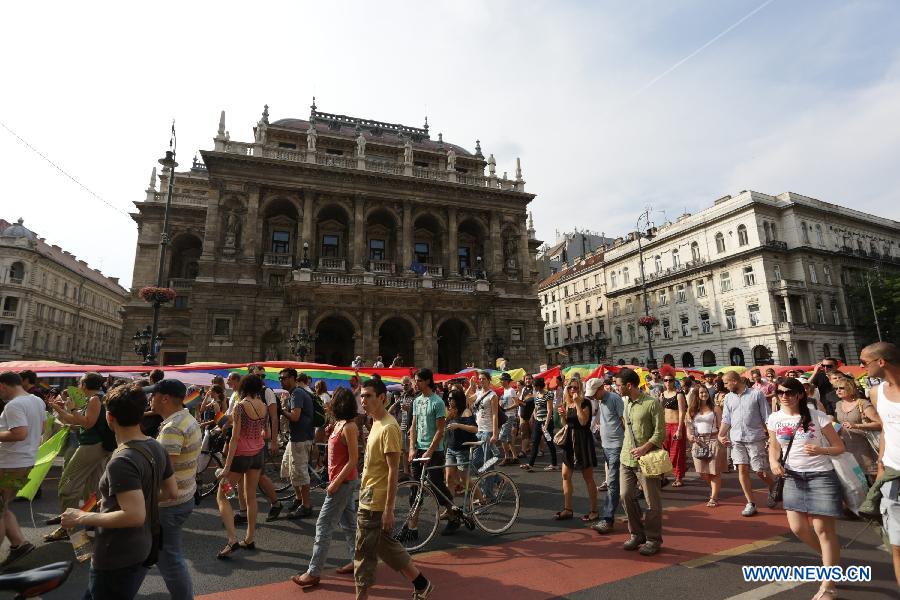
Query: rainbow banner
(192, 399)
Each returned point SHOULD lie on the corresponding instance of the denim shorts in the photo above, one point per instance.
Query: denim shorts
(456, 458)
(813, 492)
(506, 430)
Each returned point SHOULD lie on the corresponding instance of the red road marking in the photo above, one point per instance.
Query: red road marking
(556, 564)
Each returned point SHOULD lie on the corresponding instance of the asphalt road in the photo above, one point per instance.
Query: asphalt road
(540, 558)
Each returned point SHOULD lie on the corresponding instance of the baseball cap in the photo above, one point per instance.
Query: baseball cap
(505, 377)
(592, 386)
(172, 387)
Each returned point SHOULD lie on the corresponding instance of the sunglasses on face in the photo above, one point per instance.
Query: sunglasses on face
(788, 392)
(668, 380)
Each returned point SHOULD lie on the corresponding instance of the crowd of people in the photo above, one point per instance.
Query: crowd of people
(138, 447)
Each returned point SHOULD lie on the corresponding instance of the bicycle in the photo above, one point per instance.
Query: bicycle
(34, 582)
(490, 503)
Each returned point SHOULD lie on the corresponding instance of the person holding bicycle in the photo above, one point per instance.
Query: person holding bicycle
(426, 438)
(339, 504)
(377, 499)
(461, 428)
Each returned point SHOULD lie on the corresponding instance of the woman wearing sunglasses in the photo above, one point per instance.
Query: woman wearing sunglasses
(812, 491)
(579, 453)
(857, 417)
(676, 406)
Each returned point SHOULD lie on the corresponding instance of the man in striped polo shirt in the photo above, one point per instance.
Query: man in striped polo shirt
(180, 435)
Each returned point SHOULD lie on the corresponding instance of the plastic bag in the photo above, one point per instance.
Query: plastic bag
(853, 481)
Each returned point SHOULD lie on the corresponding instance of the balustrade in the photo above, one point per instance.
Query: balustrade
(332, 264)
(277, 259)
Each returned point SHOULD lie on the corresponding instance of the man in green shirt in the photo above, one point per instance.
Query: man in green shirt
(377, 498)
(645, 430)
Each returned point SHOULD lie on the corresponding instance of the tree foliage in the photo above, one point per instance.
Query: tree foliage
(886, 295)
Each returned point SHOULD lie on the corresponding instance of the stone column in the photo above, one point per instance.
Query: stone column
(787, 308)
(452, 242)
(369, 339)
(359, 233)
(250, 243)
(428, 342)
(406, 239)
(525, 255)
(212, 226)
(306, 234)
(496, 251)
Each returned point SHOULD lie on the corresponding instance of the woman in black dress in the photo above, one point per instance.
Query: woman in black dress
(579, 453)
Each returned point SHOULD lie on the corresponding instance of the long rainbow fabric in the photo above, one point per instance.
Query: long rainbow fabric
(333, 377)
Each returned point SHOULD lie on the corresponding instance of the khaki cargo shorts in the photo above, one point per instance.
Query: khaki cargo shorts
(371, 544)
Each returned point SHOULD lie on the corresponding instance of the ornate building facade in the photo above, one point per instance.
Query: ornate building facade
(54, 306)
(371, 237)
(751, 280)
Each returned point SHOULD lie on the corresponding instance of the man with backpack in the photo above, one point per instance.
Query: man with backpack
(137, 477)
(180, 435)
(96, 441)
(296, 457)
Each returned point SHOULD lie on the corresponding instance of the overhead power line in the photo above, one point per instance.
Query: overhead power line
(63, 171)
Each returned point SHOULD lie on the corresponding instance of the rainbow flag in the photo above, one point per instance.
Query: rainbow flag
(192, 399)
(333, 377)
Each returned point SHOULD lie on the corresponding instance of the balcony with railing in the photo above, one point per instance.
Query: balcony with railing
(382, 266)
(181, 285)
(16, 280)
(184, 199)
(277, 259)
(433, 269)
(787, 285)
(10, 314)
(328, 263)
(336, 160)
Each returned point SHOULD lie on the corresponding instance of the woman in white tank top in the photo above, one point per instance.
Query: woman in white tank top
(710, 458)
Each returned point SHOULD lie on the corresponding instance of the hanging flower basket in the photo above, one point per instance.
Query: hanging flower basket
(156, 294)
(648, 321)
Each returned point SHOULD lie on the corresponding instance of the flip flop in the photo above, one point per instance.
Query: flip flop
(588, 518)
(564, 515)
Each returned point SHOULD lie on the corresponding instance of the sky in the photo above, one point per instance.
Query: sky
(611, 106)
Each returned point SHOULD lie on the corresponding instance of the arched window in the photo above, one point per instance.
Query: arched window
(826, 350)
(676, 260)
(613, 280)
(720, 243)
(761, 356)
(766, 231)
(687, 360)
(804, 232)
(695, 251)
(736, 356)
(774, 232)
(634, 360)
(742, 235)
(626, 278)
(842, 354)
(709, 358)
(657, 263)
(668, 359)
(820, 238)
(16, 272)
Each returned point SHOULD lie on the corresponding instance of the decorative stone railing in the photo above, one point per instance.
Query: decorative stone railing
(182, 199)
(277, 259)
(450, 285)
(435, 174)
(383, 166)
(399, 282)
(434, 270)
(181, 285)
(337, 278)
(381, 266)
(334, 160)
(332, 264)
(285, 154)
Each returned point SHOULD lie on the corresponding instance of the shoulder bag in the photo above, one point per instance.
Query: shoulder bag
(776, 494)
(873, 437)
(155, 528)
(655, 463)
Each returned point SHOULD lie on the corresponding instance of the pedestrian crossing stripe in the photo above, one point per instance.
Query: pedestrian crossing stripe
(736, 551)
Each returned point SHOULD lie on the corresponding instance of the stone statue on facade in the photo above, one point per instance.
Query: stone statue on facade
(451, 160)
(492, 166)
(232, 230)
(311, 136)
(361, 145)
(408, 152)
(510, 251)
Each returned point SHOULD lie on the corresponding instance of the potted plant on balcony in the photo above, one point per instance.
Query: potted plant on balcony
(156, 295)
(648, 321)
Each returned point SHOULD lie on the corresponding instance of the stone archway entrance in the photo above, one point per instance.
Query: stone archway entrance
(396, 336)
(334, 344)
(452, 340)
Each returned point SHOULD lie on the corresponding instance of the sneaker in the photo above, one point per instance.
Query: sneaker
(603, 526)
(634, 542)
(16, 553)
(240, 519)
(749, 510)
(294, 505)
(422, 594)
(451, 527)
(274, 511)
(649, 548)
(300, 513)
(488, 464)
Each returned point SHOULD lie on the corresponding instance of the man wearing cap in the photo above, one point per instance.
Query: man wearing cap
(608, 410)
(709, 378)
(180, 435)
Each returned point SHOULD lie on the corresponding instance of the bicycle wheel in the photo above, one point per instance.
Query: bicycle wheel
(418, 515)
(282, 485)
(494, 505)
(206, 479)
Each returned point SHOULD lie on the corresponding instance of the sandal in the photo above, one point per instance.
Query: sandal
(825, 594)
(228, 550)
(57, 535)
(712, 503)
(564, 515)
(588, 518)
(677, 483)
(550, 468)
(245, 545)
(526, 468)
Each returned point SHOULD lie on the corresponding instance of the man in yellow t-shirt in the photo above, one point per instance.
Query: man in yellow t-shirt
(377, 497)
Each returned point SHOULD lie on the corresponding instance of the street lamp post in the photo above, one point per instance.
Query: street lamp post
(143, 346)
(167, 162)
(645, 216)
